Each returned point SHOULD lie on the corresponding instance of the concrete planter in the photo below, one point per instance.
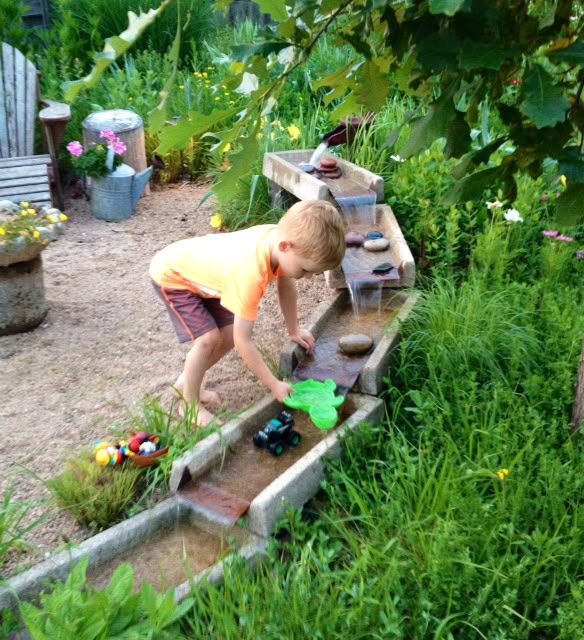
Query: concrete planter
(22, 296)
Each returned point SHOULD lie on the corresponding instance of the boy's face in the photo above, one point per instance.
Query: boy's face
(294, 265)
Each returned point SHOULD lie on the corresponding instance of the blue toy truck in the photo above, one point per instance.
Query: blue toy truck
(278, 434)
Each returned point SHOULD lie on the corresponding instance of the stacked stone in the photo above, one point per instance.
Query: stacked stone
(329, 169)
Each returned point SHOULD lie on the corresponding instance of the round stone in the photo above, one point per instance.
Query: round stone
(381, 244)
(354, 239)
(374, 235)
(355, 343)
(328, 163)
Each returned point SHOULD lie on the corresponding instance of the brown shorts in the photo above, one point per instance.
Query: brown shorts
(192, 315)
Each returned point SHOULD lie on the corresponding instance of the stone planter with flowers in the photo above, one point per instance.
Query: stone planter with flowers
(25, 231)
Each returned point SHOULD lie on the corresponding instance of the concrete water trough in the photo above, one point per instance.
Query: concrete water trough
(333, 318)
(281, 168)
(263, 486)
(166, 545)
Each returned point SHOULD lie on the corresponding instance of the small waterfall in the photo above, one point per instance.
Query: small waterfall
(316, 155)
(359, 208)
(365, 295)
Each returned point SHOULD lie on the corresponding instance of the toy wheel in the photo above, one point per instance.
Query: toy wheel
(294, 438)
(276, 449)
(257, 440)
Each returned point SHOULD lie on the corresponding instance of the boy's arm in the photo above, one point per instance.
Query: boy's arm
(288, 295)
(242, 340)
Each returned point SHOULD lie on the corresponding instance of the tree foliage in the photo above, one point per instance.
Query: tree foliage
(521, 59)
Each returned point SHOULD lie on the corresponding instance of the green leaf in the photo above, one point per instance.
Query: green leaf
(114, 47)
(457, 137)
(157, 117)
(242, 163)
(244, 52)
(478, 55)
(121, 584)
(276, 9)
(574, 54)
(178, 136)
(544, 102)
(473, 186)
(439, 52)
(569, 210)
(373, 87)
(571, 164)
(448, 7)
(33, 620)
(433, 125)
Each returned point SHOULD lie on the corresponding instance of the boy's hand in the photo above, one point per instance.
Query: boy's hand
(304, 338)
(281, 390)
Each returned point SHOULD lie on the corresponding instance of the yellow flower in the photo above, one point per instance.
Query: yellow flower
(181, 86)
(2, 232)
(294, 132)
(31, 212)
(24, 205)
(63, 217)
(218, 98)
(51, 218)
(205, 74)
(232, 102)
(216, 221)
(227, 93)
(260, 135)
(23, 213)
(502, 474)
(210, 68)
(227, 148)
(36, 235)
(564, 180)
(130, 99)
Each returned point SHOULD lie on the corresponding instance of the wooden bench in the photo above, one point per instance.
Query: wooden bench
(25, 179)
(24, 176)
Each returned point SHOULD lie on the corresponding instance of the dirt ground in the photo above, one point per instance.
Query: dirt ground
(106, 345)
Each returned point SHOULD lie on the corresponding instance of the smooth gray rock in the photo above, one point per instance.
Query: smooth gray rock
(355, 344)
(354, 239)
(381, 244)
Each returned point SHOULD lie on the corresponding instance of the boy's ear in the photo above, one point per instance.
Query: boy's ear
(284, 245)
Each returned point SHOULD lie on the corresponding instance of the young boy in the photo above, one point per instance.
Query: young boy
(212, 286)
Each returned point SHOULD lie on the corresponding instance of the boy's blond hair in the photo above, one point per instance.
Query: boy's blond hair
(317, 231)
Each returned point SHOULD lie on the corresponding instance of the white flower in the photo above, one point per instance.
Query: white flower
(397, 158)
(495, 205)
(512, 215)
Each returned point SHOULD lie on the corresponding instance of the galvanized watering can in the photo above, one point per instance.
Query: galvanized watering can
(115, 196)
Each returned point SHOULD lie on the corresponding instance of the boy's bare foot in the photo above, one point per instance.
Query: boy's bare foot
(211, 398)
(203, 416)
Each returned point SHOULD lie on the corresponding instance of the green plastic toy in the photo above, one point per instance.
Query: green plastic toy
(318, 400)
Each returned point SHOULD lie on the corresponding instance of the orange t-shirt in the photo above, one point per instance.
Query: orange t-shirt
(234, 267)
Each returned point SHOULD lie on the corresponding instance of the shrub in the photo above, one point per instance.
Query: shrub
(97, 497)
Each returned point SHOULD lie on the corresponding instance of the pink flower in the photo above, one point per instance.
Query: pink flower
(515, 82)
(108, 134)
(75, 148)
(565, 239)
(550, 234)
(119, 147)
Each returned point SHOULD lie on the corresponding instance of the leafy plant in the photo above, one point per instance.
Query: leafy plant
(28, 225)
(97, 497)
(99, 159)
(74, 609)
(13, 522)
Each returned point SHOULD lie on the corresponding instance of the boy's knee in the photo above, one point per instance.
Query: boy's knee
(210, 340)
